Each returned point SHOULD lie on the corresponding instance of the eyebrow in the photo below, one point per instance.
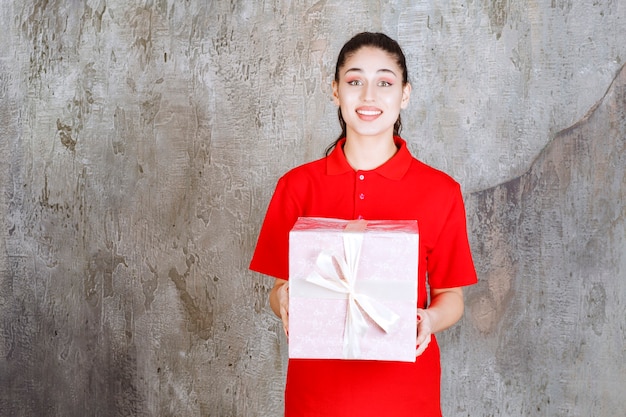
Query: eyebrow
(360, 70)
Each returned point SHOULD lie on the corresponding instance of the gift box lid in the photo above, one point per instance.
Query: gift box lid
(304, 224)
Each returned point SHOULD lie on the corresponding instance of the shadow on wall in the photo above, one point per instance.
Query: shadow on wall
(549, 247)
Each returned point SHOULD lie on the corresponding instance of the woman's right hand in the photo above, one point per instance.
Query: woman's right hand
(279, 301)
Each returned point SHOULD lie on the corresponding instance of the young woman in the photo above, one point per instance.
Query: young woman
(369, 173)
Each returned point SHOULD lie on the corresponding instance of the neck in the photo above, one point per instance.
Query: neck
(365, 153)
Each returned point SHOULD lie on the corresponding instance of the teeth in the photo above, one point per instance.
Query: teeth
(368, 112)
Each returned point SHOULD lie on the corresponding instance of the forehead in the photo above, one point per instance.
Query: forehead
(370, 57)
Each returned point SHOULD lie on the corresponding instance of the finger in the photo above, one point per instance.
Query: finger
(423, 338)
(284, 307)
(284, 316)
(422, 347)
(421, 331)
(286, 326)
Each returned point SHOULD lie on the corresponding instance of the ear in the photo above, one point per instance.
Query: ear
(406, 95)
(336, 93)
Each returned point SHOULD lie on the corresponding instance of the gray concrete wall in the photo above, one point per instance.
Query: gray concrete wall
(140, 142)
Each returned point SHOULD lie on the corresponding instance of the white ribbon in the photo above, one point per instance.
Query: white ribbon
(339, 274)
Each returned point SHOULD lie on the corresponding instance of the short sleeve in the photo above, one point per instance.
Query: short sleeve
(450, 261)
(271, 255)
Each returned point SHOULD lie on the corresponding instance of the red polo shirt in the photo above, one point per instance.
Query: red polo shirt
(401, 189)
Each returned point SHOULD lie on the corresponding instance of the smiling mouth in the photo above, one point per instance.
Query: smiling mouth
(369, 112)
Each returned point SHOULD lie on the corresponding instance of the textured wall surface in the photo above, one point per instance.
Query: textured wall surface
(140, 143)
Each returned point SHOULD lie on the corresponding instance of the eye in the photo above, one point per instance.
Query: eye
(354, 82)
(384, 83)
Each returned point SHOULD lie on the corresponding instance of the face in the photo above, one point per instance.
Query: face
(370, 92)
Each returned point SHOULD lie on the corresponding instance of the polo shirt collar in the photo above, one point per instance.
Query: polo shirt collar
(394, 169)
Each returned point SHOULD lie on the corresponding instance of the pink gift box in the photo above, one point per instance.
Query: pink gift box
(353, 289)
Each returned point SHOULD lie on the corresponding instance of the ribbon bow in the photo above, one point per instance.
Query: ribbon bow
(339, 274)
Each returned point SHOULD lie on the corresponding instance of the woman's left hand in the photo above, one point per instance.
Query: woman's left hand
(445, 309)
(424, 331)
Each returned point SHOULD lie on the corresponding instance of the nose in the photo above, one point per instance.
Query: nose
(368, 92)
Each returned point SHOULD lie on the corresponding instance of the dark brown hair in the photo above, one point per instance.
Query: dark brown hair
(375, 40)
